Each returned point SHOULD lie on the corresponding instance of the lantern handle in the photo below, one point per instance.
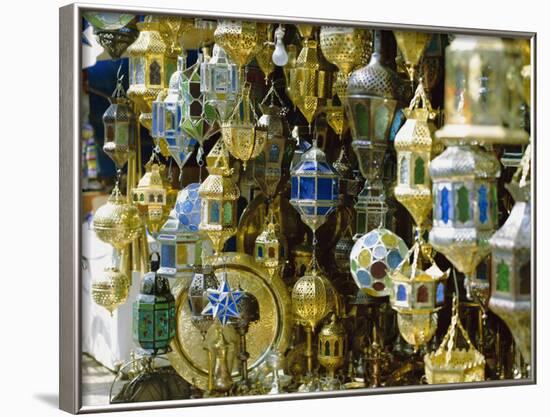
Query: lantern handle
(420, 98)
(522, 172)
(119, 89)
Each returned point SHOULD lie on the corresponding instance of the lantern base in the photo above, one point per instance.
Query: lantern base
(517, 316)
(417, 328)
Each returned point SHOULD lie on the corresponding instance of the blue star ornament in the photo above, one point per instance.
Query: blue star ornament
(223, 303)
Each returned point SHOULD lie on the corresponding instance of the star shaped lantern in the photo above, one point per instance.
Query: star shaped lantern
(223, 303)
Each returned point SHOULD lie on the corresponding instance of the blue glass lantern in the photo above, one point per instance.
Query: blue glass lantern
(154, 314)
(167, 113)
(314, 187)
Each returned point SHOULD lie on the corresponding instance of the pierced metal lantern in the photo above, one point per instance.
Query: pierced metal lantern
(199, 117)
(241, 40)
(313, 298)
(373, 257)
(220, 82)
(413, 144)
(148, 66)
(243, 136)
(465, 207)
(154, 314)
(114, 31)
(219, 195)
(417, 295)
(331, 350)
(511, 269)
(172, 28)
(411, 45)
(314, 187)
(150, 196)
(270, 248)
(347, 48)
(450, 364)
(119, 123)
(265, 53)
(482, 92)
(117, 222)
(336, 118)
(111, 289)
(268, 166)
(342, 252)
(370, 106)
(309, 81)
(167, 113)
(203, 280)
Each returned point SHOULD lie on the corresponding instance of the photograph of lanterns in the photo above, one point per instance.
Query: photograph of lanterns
(275, 208)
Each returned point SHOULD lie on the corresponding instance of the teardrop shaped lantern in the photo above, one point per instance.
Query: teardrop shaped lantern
(110, 289)
(241, 133)
(241, 40)
(309, 81)
(265, 53)
(411, 45)
(347, 48)
(114, 31)
(219, 195)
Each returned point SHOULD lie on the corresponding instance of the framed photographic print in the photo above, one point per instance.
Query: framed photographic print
(256, 208)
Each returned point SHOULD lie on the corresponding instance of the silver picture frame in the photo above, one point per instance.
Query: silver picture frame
(70, 302)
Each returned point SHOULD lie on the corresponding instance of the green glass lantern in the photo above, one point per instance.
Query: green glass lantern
(370, 105)
(199, 117)
(154, 313)
(511, 269)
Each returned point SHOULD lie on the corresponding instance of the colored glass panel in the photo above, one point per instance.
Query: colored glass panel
(168, 255)
(422, 294)
(227, 213)
(503, 277)
(444, 204)
(440, 293)
(214, 212)
(483, 204)
(419, 171)
(463, 204)
(361, 120)
(307, 188)
(324, 188)
(401, 293)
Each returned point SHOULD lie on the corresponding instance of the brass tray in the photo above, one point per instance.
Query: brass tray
(272, 331)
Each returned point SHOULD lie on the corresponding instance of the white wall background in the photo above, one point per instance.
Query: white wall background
(29, 226)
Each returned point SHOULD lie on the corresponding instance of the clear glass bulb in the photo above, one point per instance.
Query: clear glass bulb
(279, 57)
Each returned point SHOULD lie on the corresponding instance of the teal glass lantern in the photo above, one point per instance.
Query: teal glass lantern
(465, 209)
(220, 82)
(199, 117)
(314, 187)
(154, 313)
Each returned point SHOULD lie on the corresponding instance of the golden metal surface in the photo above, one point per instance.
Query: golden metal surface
(241, 40)
(347, 48)
(412, 46)
(111, 289)
(271, 332)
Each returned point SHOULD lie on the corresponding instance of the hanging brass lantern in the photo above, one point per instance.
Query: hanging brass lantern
(241, 133)
(511, 267)
(270, 248)
(309, 81)
(171, 29)
(265, 53)
(114, 31)
(465, 210)
(412, 46)
(220, 82)
(119, 128)
(111, 289)
(336, 118)
(482, 92)
(117, 222)
(347, 48)
(331, 351)
(219, 195)
(417, 295)
(149, 66)
(449, 364)
(241, 40)
(150, 196)
(413, 144)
